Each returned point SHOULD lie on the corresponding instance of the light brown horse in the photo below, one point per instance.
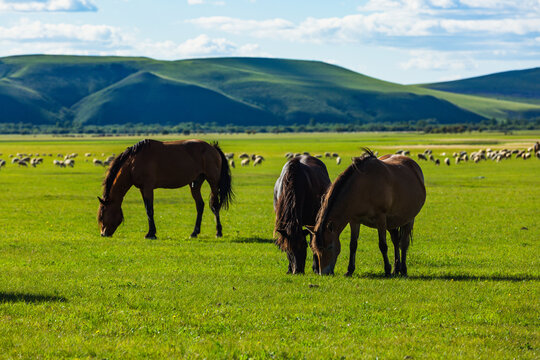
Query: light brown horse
(152, 164)
(384, 193)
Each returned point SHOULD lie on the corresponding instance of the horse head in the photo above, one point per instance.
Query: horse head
(110, 216)
(326, 246)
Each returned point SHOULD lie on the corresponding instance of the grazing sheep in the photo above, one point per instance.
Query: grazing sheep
(88, 154)
(231, 163)
(97, 162)
(257, 161)
(421, 156)
(306, 153)
(59, 163)
(69, 162)
(289, 155)
(335, 155)
(297, 154)
(23, 163)
(318, 156)
(458, 159)
(338, 160)
(327, 155)
(229, 156)
(447, 161)
(2, 163)
(437, 162)
(244, 156)
(245, 162)
(14, 160)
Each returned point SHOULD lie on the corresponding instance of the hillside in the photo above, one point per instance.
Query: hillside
(45, 89)
(519, 85)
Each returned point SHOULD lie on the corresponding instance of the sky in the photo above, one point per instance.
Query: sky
(402, 41)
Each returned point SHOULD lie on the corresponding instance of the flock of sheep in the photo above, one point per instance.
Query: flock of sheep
(68, 160)
(483, 154)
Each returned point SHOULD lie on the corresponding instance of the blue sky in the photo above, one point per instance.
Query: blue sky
(403, 41)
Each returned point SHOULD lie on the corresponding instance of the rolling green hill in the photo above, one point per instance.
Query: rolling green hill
(44, 89)
(519, 85)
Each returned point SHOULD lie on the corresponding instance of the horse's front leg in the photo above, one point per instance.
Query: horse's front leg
(355, 231)
(148, 198)
(199, 203)
(381, 229)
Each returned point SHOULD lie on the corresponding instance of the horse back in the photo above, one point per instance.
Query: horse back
(405, 182)
(175, 164)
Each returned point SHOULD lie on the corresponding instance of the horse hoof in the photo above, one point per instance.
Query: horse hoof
(348, 274)
(218, 235)
(150, 237)
(193, 235)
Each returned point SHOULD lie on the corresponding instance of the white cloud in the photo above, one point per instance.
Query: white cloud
(437, 60)
(47, 5)
(200, 46)
(27, 30)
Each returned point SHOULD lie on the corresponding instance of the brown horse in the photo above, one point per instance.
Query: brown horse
(384, 193)
(152, 164)
(297, 199)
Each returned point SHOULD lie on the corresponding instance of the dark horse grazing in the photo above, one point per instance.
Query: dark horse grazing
(384, 193)
(297, 199)
(152, 164)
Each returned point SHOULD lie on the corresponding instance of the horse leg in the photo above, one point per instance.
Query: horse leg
(315, 266)
(355, 231)
(384, 249)
(290, 257)
(199, 203)
(148, 198)
(404, 245)
(394, 234)
(214, 205)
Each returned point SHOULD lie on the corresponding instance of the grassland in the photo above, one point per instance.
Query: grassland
(472, 292)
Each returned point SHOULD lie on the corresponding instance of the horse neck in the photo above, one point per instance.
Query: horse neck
(122, 183)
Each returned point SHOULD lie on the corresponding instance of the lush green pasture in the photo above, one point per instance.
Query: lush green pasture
(474, 266)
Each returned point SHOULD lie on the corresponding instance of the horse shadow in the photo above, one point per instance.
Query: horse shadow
(252, 240)
(6, 297)
(458, 277)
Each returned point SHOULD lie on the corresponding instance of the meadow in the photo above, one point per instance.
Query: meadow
(65, 292)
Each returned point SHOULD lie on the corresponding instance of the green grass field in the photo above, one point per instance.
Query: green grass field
(472, 292)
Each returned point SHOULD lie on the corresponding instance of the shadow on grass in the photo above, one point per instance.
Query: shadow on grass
(29, 298)
(458, 277)
(252, 240)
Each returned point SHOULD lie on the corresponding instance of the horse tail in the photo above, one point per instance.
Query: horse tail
(405, 233)
(225, 194)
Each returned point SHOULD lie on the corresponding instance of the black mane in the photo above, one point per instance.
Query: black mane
(117, 163)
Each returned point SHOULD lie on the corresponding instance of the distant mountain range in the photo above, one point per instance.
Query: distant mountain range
(45, 89)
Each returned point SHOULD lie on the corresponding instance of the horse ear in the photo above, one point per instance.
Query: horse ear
(101, 200)
(330, 226)
(310, 229)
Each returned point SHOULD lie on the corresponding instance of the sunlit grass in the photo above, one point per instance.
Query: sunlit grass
(472, 291)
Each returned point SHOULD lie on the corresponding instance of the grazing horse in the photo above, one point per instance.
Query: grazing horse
(152, 164)
(384, 193)
(297, 198)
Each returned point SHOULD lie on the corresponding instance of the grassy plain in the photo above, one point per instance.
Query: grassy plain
(472, 292)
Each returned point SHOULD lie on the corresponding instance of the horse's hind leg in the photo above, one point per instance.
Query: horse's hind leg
(384, 248)
(394, 234)
(355, 231)
(148, 198)
(199, 203)
(214, 205)
(405, 238)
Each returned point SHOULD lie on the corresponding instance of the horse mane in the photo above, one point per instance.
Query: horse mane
(287, 216)
(335, 188)
(117, 163)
